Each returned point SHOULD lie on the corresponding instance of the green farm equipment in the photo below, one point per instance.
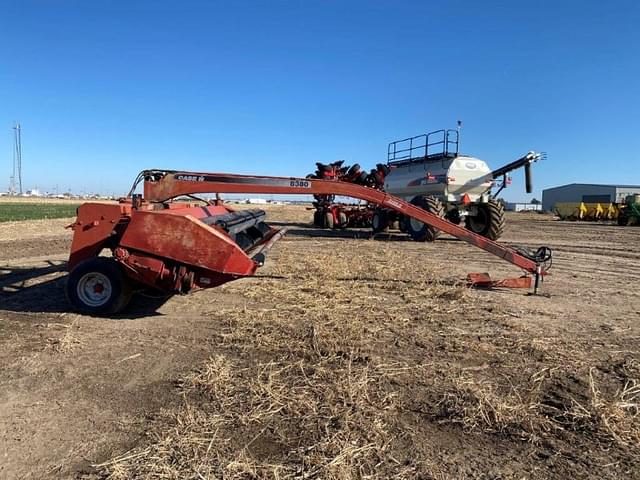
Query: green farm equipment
(629, 211)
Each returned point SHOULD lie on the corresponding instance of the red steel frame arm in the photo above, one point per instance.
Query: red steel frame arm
(160, 186)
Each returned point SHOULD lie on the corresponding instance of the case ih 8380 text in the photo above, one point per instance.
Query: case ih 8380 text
(429, 172)
(175, 247)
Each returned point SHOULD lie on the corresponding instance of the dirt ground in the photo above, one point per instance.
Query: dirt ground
(346, 357)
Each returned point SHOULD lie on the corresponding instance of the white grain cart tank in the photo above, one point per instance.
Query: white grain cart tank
(428, 171)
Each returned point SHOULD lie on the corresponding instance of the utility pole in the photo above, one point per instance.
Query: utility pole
(16, 177)
(12, 178)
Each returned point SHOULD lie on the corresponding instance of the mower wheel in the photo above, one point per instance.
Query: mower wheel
(489, 221)
(98, 286)
(328, 220)
(419, 231)
(380, 221)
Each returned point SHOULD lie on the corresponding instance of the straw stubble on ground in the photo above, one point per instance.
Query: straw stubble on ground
(352, 358)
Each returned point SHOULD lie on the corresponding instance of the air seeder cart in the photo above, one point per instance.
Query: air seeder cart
(429, 171)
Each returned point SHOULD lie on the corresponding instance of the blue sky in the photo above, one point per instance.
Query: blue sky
(105, 89)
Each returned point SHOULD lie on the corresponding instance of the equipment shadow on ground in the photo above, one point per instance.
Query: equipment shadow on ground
(42, 290)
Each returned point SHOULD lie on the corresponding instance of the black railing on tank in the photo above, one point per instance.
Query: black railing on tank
(437, 144)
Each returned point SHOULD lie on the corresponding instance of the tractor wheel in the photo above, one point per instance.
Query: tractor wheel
(489, 222)
(380, 221)
(419, 231)
(623, 218)
(318, 218)
(328, 220)
(98, 286)
(343, 221)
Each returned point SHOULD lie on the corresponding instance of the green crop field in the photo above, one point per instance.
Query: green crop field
(35, 211)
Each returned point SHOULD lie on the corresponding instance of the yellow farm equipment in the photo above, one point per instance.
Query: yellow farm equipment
(611, 211)
(570, 210)
(586, 211)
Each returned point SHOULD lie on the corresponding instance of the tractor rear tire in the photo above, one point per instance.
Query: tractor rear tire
(419, 231)
(489, 222)
(98, 286)
(328, 220)
(380, 221)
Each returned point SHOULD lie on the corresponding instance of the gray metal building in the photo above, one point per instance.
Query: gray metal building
(588, 193)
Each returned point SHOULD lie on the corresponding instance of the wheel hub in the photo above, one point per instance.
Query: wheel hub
(94, 289)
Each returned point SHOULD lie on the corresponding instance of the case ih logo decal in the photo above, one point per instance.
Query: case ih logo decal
(246, 180)
(191, 178)
(393, 203)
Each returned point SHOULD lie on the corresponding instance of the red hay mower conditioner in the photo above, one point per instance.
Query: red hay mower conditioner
(175, 247)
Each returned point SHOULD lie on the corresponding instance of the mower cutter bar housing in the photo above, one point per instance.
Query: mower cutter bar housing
(172, 248)
(245, 227)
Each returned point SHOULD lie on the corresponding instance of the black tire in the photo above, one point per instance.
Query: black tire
(453, 216)
(318, 218)
(342, 220)
(489, 221)
(380, 221)
(102, 272)
(401, 224)
(328, 220)
(421, 232)
(623, 218)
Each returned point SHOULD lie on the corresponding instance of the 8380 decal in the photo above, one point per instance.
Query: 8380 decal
(300, 183)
